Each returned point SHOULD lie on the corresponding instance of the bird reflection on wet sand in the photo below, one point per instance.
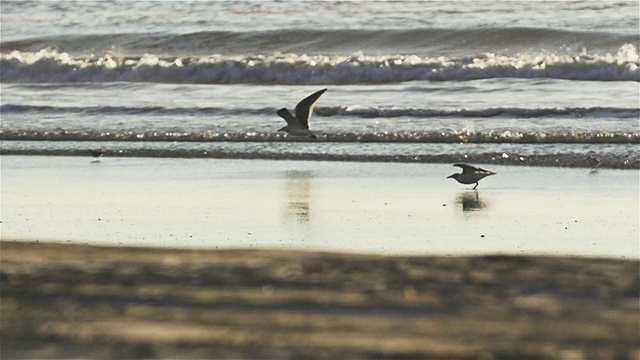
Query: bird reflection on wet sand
(298, 187)
(470, 201)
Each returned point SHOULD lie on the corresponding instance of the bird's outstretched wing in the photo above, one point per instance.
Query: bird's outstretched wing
(466, 168)
(290, 119)
(304, 109)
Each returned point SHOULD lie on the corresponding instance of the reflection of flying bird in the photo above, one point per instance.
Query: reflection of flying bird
(470, 174)
(299, 124)
(298, 184)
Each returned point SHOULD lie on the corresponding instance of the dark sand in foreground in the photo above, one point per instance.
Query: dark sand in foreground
(62, 301)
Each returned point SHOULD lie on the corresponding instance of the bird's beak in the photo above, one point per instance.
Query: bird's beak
(450, 176)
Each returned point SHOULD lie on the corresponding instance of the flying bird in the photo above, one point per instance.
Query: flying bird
(470, 174)
(299, 124)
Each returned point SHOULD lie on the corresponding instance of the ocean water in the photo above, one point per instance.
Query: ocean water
(504, 82)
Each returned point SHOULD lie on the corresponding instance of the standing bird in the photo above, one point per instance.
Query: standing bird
(299, 124)
(470, 174)
(96, 154)
(594, 162)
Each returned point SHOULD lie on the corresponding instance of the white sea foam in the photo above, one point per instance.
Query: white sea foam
(49, 65)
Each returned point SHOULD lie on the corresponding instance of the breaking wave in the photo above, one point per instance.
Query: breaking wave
(51, 66)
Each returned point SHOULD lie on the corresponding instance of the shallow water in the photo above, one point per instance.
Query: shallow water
(486, 73)
(238, 121)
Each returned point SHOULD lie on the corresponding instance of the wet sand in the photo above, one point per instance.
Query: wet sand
(72, 301)
(375, 208)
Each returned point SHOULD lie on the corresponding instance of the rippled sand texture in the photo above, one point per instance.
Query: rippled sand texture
(61, 301)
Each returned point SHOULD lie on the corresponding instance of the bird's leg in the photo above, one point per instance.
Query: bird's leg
(475, 186)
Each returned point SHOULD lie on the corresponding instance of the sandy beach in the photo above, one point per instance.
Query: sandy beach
(210, 258)
(151, 208)
(71, 301)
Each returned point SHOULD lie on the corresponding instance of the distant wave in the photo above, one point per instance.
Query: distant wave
(123, 110)
(355, 111)
(426, 41)
(453, 137)
(373, 112)
(51, 66)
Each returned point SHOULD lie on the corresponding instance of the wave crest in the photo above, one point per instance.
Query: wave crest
(442, 41)
(51, 66)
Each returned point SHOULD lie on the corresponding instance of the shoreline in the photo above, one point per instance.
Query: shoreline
(104, 302)
(490, 159)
